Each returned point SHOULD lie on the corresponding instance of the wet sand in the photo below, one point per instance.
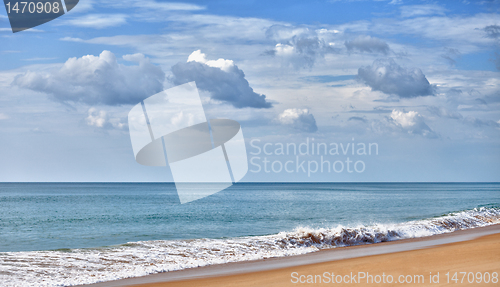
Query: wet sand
(474, 250)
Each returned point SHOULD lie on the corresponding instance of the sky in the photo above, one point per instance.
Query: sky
(418, 80)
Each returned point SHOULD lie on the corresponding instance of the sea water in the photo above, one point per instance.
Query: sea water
(60, 234)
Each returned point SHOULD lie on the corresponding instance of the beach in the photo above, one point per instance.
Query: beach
(123, 234)
(429, 261)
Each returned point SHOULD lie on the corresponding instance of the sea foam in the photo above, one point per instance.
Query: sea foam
(84, 266)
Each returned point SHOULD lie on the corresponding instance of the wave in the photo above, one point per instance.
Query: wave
(348, 236)
(85, 266)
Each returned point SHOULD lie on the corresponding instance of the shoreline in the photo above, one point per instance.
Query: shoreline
(336, 256)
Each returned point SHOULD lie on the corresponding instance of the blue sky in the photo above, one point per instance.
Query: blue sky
(419, 78)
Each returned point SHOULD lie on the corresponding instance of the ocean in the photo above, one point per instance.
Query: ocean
(62, 234)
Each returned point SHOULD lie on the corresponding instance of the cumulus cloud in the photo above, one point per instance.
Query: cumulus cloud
(96, 118)
(412, 122)
(300, 119)
(221, 78)
(298, 45)
(97, 80)
(386, 76)
(198, 56)
(367, 44)
(100, 119)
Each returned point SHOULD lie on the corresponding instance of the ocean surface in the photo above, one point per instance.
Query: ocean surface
(61, 234)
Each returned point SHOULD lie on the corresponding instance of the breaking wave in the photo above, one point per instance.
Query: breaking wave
(84, 266)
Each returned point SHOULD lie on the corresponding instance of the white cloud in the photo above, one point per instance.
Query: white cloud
(235, 38)
(405, 119)
(96, 118)
(300, 119)
(284, 50)
(71, 39)
(412, 122)
(100, 119)
(97, 80)
(97, 21)
(386, 76)
(198, 56)
(221, 78)
(421, 10)
(300, 46)
(3, 116)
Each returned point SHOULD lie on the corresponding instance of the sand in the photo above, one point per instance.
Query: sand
(420, 261)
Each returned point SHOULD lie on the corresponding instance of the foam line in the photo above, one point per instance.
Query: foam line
(134, 259)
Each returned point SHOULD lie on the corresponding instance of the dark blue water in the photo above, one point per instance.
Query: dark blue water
(45, 216)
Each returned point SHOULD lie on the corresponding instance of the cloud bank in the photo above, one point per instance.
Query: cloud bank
(388, 77)
(221, 78)
(97, 80)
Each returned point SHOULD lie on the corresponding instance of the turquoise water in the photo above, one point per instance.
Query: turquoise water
(49, 216)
